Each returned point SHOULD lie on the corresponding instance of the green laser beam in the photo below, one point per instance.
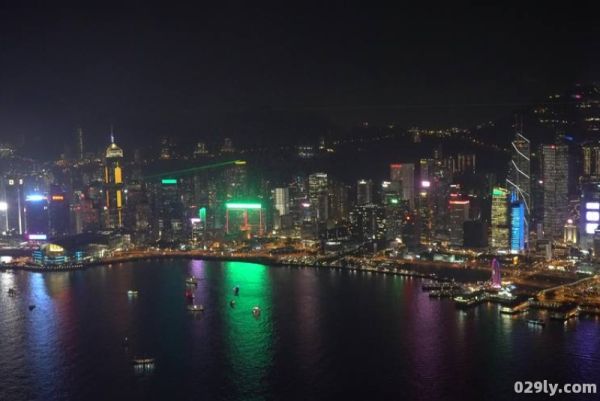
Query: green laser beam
(187, 171)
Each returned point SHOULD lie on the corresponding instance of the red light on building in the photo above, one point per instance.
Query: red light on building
(458, 202)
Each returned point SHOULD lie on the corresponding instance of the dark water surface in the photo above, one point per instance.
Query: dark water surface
(323, 334)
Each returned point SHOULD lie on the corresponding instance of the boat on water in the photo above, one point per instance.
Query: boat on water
(143, 363)
(236, 290)
(232, 303)
(132, 293)
(507, 310)
(191, 280)
(256, 311)
(31, 307)
(12, 292)
(195, 308)
(466, 301)
(536, 322)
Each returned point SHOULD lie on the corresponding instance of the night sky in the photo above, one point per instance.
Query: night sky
(207, 71)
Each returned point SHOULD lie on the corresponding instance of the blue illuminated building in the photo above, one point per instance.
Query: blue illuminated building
(517, 226)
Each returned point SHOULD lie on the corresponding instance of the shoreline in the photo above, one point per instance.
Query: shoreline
(410, 269)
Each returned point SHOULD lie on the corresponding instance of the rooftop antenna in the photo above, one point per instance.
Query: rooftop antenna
(112, 134)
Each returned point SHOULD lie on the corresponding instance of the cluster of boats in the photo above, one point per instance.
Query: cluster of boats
(144, 365)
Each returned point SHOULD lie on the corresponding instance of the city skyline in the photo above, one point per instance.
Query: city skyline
(313, 202)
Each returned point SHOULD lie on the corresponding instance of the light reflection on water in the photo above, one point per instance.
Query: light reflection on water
(322, 334)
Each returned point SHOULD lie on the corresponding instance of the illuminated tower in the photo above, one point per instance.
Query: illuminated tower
(405, 173)
(517, 224)
(500, 223)
(364, 192)
(519, 176)
(113, 185)
(459, 213)
(555, 172)
(244, 218)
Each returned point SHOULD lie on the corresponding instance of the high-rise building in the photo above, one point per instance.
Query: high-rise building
(170, 212)
(591, 159)
(517, 225)
(58, 210)
(364, 192)
(589, 208)
(244, 219)
(459, 213)
(519, 176)
(318, 185)
(281, 203)
(281, 200)
(555, 176)
(405, 174)
(113, 185)
(13, 202)
(36, 214)
(367, 223)
(500, 223)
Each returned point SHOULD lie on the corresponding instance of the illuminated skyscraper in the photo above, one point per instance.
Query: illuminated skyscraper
(459, 213)
(591, 159)
(405, 174)
(519, 176)
(590, 213)
(113, 185)
(500, 223)
(245, 218)
(364, 192)
(12, 198)
(169, 210)
(318, 185)
(555, 173)
(517, 225)
(281, 200)
(36, 214)
(367, 223)
(281, 203)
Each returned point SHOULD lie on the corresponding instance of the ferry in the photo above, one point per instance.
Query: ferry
(195, 308)
(191, 280)
(132, 293)
(143, 363)
(536, 322)
(507, 310)
(466, 301)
